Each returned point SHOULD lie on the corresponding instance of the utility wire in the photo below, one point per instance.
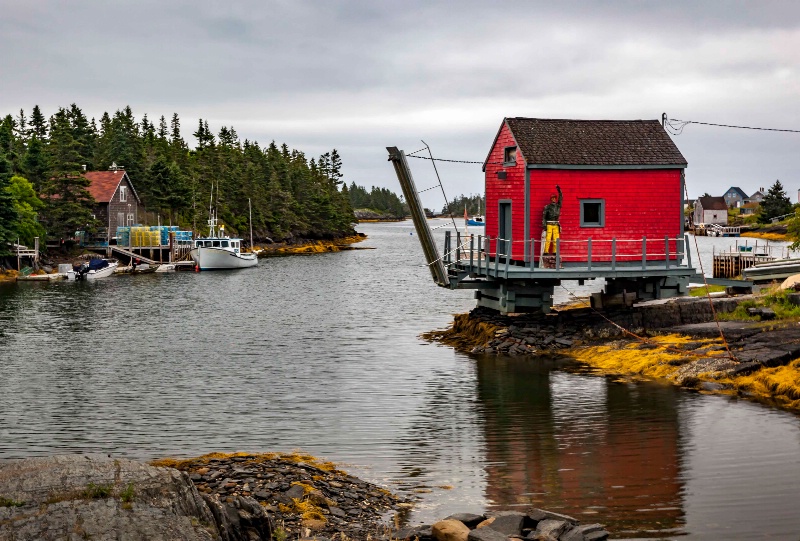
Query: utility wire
(676, 126)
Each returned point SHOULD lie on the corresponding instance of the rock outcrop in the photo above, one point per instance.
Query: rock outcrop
(101, 498)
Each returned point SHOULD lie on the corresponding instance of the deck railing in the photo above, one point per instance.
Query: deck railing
(481, 251)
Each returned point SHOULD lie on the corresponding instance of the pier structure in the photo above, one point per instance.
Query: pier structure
(153, 252)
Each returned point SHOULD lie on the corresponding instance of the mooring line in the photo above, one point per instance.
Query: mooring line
(644, 339)
(705, 282)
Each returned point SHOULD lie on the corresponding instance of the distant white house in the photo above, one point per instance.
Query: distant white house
(710, 210)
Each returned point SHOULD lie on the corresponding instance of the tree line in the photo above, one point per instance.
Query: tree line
(380, 200)
(475, 205)
(43, 192)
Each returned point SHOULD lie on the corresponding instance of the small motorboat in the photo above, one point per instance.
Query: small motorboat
(95, 269)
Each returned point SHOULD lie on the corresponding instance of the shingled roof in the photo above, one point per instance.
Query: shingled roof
(713, 203)
(601, 143)
(103, 184)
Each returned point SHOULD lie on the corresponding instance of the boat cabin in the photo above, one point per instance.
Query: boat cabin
(622, 181)
(228, 244)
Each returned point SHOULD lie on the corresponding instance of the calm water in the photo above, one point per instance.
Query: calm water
(321, 353)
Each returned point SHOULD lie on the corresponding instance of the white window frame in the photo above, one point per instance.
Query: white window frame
(131, 218)
(123, 194)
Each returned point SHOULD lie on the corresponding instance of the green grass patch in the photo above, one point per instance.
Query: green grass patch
(9, 502)
(776, 299)
(96, 492)
(127, 495)
(704, 290)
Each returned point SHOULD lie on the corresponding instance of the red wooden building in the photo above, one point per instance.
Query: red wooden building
(622, 181)
(621, 217)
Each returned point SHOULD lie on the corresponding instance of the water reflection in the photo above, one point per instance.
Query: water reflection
(581, 444)
(322, 353)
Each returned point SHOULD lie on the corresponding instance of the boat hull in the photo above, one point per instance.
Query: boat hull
(209, 258)
(102, 273)
(475, 222)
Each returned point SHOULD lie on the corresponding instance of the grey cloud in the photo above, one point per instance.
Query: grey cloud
(360, 75)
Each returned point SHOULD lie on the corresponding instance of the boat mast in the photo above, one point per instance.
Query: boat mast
(211, 219)
(250, 210)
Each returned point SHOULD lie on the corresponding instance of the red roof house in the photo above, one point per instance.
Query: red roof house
(117, 203)
(622, 183)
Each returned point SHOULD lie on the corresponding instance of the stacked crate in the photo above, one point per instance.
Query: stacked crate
(123, 236)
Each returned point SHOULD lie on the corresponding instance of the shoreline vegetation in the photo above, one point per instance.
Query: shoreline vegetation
(678, 342)
(236, 497)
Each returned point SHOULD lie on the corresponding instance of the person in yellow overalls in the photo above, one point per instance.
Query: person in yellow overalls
(552, 212)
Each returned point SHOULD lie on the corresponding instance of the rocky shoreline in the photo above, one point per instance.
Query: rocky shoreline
(676, 340)
(234, 497)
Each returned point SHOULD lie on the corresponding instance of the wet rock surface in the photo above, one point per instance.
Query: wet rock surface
(303, 496)
(536, 524)
(748, 346)
(232, 498)
(100, 498)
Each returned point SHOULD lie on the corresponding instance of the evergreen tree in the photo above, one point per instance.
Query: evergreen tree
(775, 203)
(69, 204)
(38, 123)
(34, 164)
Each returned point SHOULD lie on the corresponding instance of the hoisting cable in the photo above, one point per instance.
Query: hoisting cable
(438, 178)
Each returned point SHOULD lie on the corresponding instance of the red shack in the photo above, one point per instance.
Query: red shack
(622, 181)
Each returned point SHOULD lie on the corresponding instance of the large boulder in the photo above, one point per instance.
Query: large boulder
(101, 498)
(450, 530)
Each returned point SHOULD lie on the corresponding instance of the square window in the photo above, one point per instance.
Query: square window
(593, 213)
(510, 155)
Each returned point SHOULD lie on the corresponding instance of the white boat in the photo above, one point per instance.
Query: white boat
(94, 270)
(218, 252)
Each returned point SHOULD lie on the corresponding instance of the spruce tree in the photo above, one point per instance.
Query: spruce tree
(38, 123)
(69, 204)
(34, 164)
(775, 203)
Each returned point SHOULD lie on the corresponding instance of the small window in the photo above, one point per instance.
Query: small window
(593, 213)
(123, 193)
(224, 243)
(198, 243)
(510, 156)
(215, 244)
(130, 219)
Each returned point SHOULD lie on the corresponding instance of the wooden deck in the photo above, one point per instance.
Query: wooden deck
(480, 263)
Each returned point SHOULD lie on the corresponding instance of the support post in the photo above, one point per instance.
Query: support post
(614, 253)
(589, 253)
(666, 249)
(435, 263)
(644, 253)
(471, 250)
(558, 254)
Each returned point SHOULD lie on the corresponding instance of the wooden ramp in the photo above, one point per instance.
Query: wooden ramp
(132, 255)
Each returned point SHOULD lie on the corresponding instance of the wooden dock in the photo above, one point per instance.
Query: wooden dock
(731, 264)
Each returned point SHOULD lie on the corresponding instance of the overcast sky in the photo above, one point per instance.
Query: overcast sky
(359, 76)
